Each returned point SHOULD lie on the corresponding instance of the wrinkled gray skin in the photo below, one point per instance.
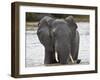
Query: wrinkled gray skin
(61, 36)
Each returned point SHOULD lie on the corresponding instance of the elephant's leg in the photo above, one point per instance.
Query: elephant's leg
(75, 47)
(50, 56)
(47, 58)
(53, 56)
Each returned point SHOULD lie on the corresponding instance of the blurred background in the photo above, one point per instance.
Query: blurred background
(31, 17)
(35, 50)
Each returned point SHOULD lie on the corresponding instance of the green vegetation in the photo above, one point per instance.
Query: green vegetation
(30, 17)
(34, 17)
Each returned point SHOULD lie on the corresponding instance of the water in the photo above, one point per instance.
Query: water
(35, 50)
(84, 49)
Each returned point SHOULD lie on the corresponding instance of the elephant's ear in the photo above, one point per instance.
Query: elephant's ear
(49, 21)
(46, 20)
(71, 22)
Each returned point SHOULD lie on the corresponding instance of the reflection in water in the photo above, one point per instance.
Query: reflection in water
(35, 50)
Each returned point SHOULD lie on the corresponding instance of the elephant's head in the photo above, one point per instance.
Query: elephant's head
(50, 24)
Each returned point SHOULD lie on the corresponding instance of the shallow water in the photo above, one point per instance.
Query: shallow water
(35, 50)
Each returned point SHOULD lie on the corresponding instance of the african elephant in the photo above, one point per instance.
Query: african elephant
(61, 36)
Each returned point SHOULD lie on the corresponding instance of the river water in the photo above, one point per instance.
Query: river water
(35, 50)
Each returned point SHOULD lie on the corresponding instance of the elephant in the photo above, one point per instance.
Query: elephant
(61, 36)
